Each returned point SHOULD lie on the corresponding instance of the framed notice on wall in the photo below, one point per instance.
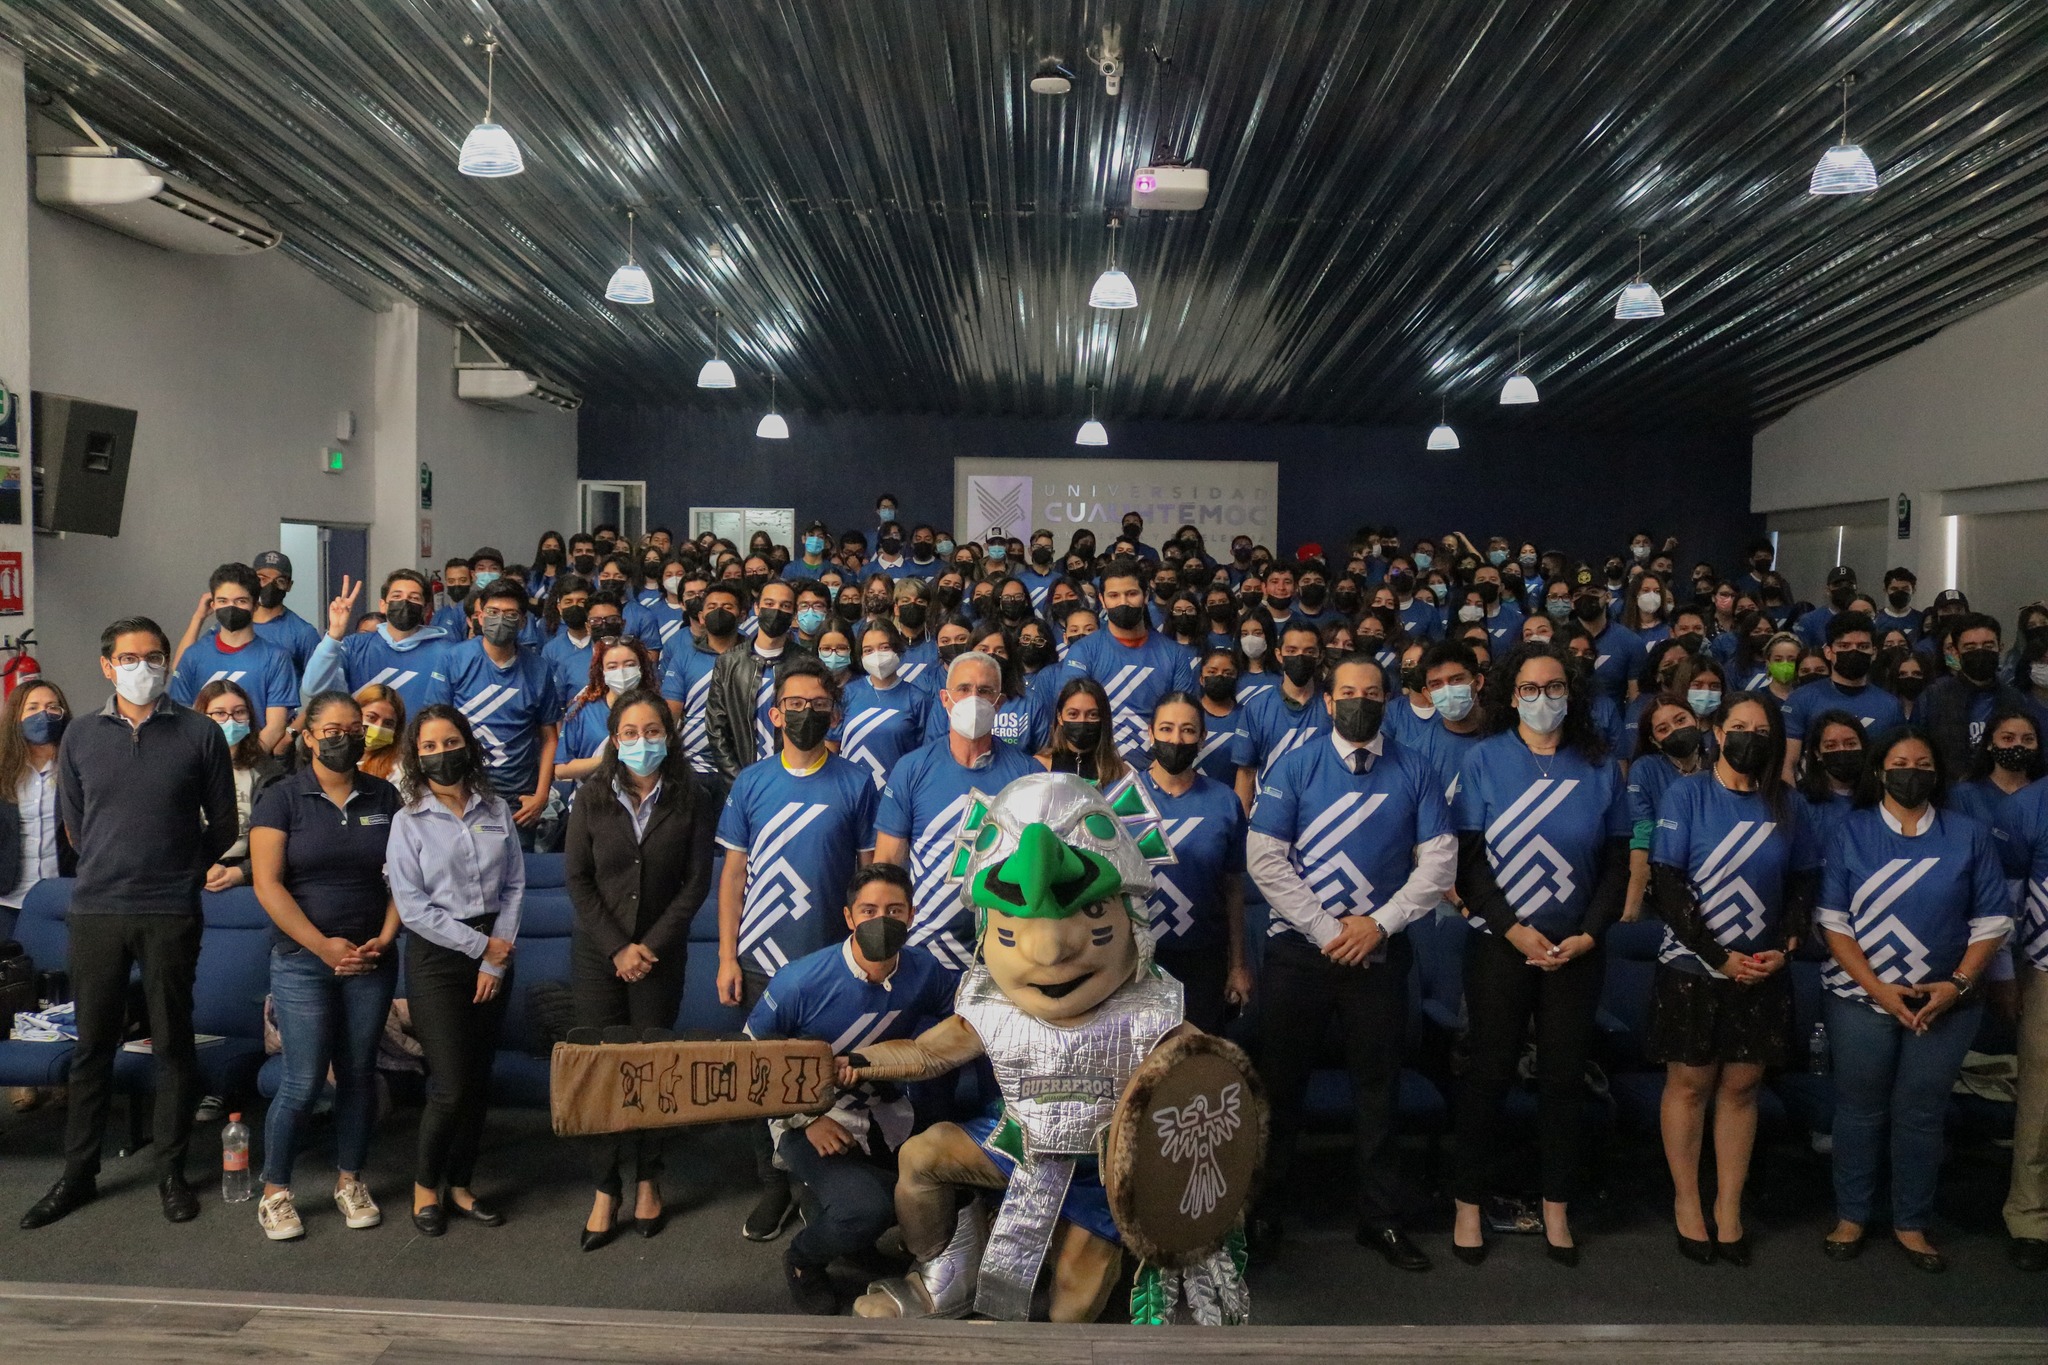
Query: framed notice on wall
(1220, 498)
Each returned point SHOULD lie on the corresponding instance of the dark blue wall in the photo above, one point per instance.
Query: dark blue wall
(1582, 493)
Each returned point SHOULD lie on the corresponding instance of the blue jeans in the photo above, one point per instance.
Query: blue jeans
(856, 1200)
(1891, 1081)
(322, 1019)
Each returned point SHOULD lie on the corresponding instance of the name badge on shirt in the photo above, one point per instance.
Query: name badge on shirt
(486, 829)
(376, 820)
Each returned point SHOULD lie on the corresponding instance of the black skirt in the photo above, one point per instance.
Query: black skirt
(1698, 1020)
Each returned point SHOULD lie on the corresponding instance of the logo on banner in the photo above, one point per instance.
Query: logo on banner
(1000, 500)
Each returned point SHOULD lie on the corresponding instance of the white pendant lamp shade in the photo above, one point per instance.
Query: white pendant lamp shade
(1113, 289)
(629, 283)
(1519, 389)
(489, 151)
(1443, 438)
(1844, 168)
(1092, 433)
(773, 428)
(716, 374)
(1638, 300)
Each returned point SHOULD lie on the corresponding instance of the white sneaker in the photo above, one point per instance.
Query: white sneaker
(352, 1197)
(278, 1218)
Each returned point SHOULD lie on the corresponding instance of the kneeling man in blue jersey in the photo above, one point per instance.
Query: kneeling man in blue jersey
(871, 987)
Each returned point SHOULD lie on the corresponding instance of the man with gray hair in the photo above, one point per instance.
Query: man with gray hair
(927, 796)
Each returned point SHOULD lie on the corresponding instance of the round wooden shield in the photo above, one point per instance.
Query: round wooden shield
(1185, 1148)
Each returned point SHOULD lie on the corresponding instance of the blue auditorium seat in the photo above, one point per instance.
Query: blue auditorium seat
(41, 931)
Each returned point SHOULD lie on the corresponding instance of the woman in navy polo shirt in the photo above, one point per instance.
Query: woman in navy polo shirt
(1543, 830)
(316, 855)
(1914, 907)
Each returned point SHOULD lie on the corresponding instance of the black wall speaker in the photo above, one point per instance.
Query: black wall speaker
(80, 463)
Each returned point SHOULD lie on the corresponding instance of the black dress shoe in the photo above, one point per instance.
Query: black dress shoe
(1470, 1255)
(651, 1227)
(593, 1240)
(432, 1220)
(1392, 1243)
(72, 1192)
(1841, 1251)
(2028, 1253)
(1564, 1256)
(479, 1212)
(180, 1204)
(1932, 1262)
(1735, 1253)
(1696, 1249)
(810, 1287)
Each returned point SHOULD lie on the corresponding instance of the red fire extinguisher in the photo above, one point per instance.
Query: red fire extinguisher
(21, 666)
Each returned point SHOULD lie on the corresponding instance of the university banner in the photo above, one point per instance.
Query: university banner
(1221, 498)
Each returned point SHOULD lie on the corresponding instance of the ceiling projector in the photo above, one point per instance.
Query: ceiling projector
(1170, 187)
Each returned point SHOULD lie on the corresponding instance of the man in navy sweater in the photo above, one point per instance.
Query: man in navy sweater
(147, 793)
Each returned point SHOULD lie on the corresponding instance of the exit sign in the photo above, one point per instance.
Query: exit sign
(333, 461)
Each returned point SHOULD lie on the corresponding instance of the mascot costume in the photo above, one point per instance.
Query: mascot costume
(1120, 1126)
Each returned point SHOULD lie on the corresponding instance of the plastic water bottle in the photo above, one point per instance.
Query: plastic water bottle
(235, 1187)
(1818, 1060)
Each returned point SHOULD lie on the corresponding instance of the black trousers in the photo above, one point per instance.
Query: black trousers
(1301, 991)
(753, 985)
(1502, 993)
(1202, 973)
(103, 949)
(603, 1001)
(460, 1038)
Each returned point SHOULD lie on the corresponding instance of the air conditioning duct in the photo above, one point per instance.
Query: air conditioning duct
(94, 181)
(485, 378)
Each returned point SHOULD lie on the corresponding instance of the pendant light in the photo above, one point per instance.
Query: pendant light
(489, 151)
(1092, 432)
(1638, 300)
(629, 282)
(716, 374)
(1519, 388)
(1845, 167)
(1113, 288)
(772, 427)
(1443, 438)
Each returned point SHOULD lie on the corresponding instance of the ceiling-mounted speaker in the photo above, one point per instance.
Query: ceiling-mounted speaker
(79, 463)
(1051, 78)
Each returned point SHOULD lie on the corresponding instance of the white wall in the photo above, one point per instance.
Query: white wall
(15, 372)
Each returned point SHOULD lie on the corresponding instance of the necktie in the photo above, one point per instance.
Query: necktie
(1359, 758)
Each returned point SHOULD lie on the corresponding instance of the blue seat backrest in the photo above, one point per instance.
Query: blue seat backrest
(546, 871)
(40, 928)
(234, 965)
(1439, 941)
(545, 922)
(1631, 969)
(704, 924)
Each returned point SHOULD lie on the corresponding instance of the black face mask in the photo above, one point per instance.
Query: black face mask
(1910, 787)
(1843, 765)
(891, 545)
(270, 597)
(1299, 668)
(1358, 718)
(1899, 599)
(1412, 679)
(1908, 686)
(500, 632)
(1015, 609)
(1220, 687)
(1838, 598)
(608, 628)
(1978, 665)
(754, 581)
(720, 621)
(447, 768)
(2014, 758)
(1588, 608)
(1402, 584)
(404, 615)
(341, 753)
(1082, 735)
(774, 622)
(1489, 592)
(1035, 655)
(605, 545)
(806, 730)
(1041, 555)
(982, 603)
(948, 653)
(1747, 751)
(911, 614)
(550, 555)
(1313, 595)
(1186, 624)
(1347, 601)
(1176, 758)
(1127, 616)
(1131, 533)
(232, 618)
(847, 609)
(457, 592)
(1853, 665)
(576, 618)
(1692, 640)
(880, 938)
(1681, 743)
(946, 599)
(1224, 617)
(921, 551)
(1196, 577)
(585, 565)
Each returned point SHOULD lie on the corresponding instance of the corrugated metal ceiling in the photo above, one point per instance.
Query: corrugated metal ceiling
(902, 226)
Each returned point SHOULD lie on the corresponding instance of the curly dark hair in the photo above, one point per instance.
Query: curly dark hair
(412, 780)
(1580, 734)
(675, 768)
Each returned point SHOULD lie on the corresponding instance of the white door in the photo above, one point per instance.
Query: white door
(738, 524)
(614, 503)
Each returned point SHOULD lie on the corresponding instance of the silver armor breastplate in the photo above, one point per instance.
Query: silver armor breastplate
(1060, 1084)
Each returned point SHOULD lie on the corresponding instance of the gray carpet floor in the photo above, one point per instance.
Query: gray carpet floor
(1629, 1273)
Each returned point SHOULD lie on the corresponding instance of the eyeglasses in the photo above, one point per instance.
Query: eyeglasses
(797, 706)
(339, 732)
(155, 659)
(1556, 691)
(504, 615)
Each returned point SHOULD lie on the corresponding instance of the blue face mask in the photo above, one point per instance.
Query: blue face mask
(997, 551)
(234, 731)
(814, 545)
(1544, 715)
(810, 620)
(1496, 557)
(1439, 591)
(1704, 701)
(1423, 561)
(643, 756)
(1453, 701)
(484, 579)
(945, 547)
(838, 660)
(44, 727)
(1558, 608)
(885, 514)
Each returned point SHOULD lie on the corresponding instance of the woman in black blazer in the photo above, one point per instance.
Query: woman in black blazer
(639, 849)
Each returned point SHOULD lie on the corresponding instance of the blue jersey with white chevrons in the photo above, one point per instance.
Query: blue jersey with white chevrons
(802, 834)
(1736, 855)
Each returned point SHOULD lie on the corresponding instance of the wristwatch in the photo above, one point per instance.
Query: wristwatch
(1963, 984)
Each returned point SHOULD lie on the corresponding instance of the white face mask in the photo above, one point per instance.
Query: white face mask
(1254, 646)
(139, 683)
(1470, 613)
(622, 679)
(2039, 673)
(883, 663)
(972, 717)
(673, 585)
(1648, 602)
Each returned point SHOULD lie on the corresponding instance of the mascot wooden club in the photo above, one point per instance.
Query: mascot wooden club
(1121, 1126)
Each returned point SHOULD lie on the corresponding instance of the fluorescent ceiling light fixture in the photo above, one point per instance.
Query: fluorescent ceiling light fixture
(716, 374)
(1092, 432)
(772, 427)
(1520, 388)
(1442, 438)
(1638, 300)
(1113, 288)
(629, 283)
(489, 151)
(1845, 167)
